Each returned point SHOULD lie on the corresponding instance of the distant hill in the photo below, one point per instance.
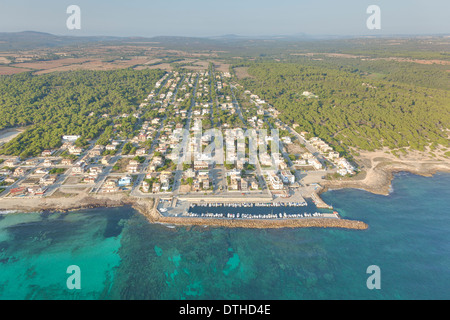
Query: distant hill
(231, 45)
(34, 39)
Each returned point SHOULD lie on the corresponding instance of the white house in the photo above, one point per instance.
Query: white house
(71, 138)
(124, 181)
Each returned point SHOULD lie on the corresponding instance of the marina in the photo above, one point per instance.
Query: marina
(283, 215)
(249, 205)
(245, 210)
(297, 207)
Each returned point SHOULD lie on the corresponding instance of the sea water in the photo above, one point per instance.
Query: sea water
(122, 256)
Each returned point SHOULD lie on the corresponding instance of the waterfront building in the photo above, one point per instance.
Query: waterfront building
(287, 177)
(125, 181)
(110, 185)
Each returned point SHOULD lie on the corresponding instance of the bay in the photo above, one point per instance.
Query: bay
(122, 256)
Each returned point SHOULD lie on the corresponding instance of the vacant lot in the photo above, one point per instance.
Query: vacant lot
(121, 165)
(4, 60)
(5, 70)
(221, 67)
(162, 66)
(242, 72)
(97, 64)
(41, 65)
(295, 149)
(73, 180)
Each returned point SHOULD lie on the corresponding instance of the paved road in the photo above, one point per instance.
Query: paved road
(135, 190)
(261, 180)
(184, 144)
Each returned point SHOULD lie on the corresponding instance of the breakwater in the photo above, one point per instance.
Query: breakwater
(149, 210)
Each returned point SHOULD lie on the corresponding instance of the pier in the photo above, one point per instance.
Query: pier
(261, 207)
(261, 216)
(327, 220)
(319, 202)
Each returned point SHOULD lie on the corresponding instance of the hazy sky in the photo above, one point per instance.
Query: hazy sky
(213, 17)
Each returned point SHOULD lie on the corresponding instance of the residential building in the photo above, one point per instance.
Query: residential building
(31, 162)
(95, 170)
(125, 181)
(90, 179)
(111, 147)
(110, 185)
(42, 171)
(48, 163)
(46, 153)
(287, 177)
(156, 187)
(48, 179)
(315, 163)
(75, 150)
(199, 165)
(11, 162)
(275, 181)
(141, 152)
(19, 172)
(145, 186)
(37, 190)
(71, 138)
(79, 168)
(105, 160)
(17, 192)
(67, 162)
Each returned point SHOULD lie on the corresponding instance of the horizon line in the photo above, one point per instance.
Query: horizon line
(225, 36)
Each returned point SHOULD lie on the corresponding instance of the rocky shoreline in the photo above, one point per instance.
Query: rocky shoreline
(64, 205)
(379, 179)
(147, 207)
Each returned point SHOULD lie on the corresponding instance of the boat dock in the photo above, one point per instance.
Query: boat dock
(261, 216)
(248, 205)
(319, 202)
(229, 207)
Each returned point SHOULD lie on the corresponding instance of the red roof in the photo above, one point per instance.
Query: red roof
(15, 190)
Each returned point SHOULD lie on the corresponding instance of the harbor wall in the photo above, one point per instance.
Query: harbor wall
(149, 210)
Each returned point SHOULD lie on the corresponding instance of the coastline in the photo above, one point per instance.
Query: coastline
(153, 216)
(377, 180)
(147, 207)
(378, 173)
(79, 202)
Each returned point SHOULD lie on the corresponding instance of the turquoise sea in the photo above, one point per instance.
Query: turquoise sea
(121, 256)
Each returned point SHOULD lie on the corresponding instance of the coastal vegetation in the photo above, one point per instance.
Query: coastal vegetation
(85, 103)
(349, 107)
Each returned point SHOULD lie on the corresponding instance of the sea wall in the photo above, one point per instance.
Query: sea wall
(149, 210)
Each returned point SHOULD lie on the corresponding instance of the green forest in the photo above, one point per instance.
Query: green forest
(68, 103)
(399, 110)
